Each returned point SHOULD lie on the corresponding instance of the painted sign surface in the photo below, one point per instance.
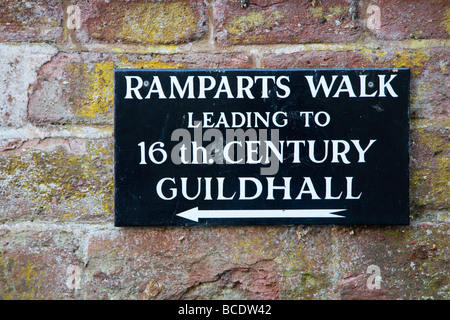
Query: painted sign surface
(261, 147)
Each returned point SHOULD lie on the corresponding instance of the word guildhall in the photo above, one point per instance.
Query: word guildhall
(258, 147)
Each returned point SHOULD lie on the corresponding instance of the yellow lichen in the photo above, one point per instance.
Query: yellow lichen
(59, 182)
(316, 12)
(335, 11)
(330, 13)
(416, 96)
(446, 21)
(372, 54)
(20, 281)
(430, 177)
(99, 91)
(422, 86)
(96, 83)
(160, 22)
(253, 20)
(411, 59)
(145, 64)
(443, 66)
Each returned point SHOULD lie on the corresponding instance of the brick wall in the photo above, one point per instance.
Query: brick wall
(57, 239)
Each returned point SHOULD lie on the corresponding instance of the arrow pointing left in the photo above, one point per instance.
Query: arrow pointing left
(195, 214)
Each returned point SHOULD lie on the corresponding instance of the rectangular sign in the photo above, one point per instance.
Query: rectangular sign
(261, 147)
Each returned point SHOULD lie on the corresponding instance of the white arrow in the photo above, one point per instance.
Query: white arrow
(194, 214)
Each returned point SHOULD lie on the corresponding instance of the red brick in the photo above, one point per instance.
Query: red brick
(34, 264)
(411, 19)
(291, 21)
(18, 66)
(142, 21)
(405, 257)
(56, 179)
(78, 87)
(186, 263)
(430, 95)
(33, 20)
(354, 287)
(430, 160)
(268, 263)
(429, 73)
(317, 59)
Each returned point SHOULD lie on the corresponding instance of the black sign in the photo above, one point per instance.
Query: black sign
(259, 147)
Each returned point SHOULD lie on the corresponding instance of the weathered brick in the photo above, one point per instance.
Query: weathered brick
(429, 71)
(142, 21)
(332, 263)
(224, 264)
(410, 19)
(56, 190)
(56, 179)
(33, 20)
(317, 59)
(430, 74)
(35, 263)
(314, 262)
(18, 66)
(78, 87)
(430, 163)
(411, 262)
(292, 21)
(429, 92)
